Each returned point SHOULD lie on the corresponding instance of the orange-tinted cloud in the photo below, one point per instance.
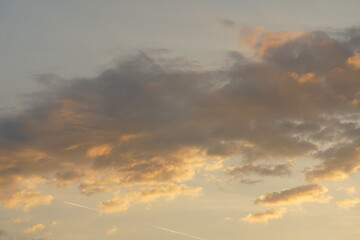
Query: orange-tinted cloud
(294, 196)
(34, 228)
(339, 162)
(347, 203)
(264, 217)
(98, 151)
(111, 231)
(261, 41)
(25, 199)
(354, 61)
(150, 122)
(349, 190)
(304, 78)
(121, 203)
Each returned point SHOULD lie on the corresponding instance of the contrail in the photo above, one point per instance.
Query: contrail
(77, 205)
(184, 234)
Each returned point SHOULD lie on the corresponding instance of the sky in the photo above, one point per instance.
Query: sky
(201, 119)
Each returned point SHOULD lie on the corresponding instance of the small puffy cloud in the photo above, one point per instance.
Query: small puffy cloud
(354, 61)
(111, 231)
(100, 150)
(264, 217)
(20, 220)
(348, 203)
(54, 223)
(226, 219)
(294, 196)
(116, 204)
(34, 228)
(224, 22)
(349, 190)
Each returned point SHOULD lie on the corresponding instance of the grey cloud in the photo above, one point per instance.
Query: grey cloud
(226, 22)
(293, 196)
(251, 181)
(259, 169)
(337, 162)
(148, 122)
(313, 52)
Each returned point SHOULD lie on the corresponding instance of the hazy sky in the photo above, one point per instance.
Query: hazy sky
(216, 120)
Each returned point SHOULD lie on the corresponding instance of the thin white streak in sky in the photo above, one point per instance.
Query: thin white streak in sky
(184, 234)
(77, 205)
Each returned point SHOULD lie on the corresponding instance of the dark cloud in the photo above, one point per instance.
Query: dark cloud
(226, 22)
(250, 181)
(259, 169)
(150, 121)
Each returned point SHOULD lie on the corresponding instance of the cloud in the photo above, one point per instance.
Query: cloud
(122, 203)
(226, 23)
(24, 199)
(264, 217)
(149, 122)
(348, 203)
(251, 181)
(226, 219)
(34, 228)
(259, 169)
(111, 231)
(348, 190)
(354, 61)
(262, 41)
(54, 223)
(97, 151)
(294, 196)
(304, 78)
(338, 163)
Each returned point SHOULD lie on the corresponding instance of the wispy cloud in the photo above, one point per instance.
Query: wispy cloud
(348, 203)
(349, 190)
(111, 231)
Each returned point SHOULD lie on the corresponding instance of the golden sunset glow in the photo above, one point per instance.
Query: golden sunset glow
(210, 120)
